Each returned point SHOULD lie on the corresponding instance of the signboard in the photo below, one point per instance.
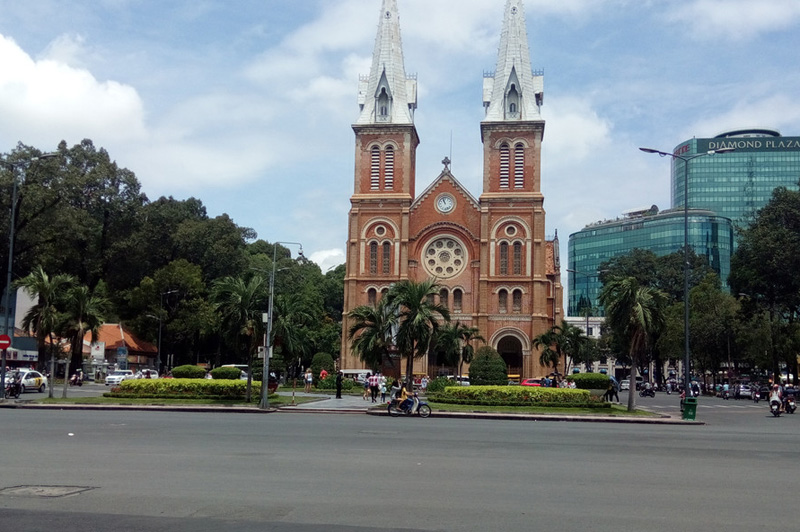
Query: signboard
(5, 341)
(750, 144)
(98, 352)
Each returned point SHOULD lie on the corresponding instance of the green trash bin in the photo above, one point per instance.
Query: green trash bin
(690, 408)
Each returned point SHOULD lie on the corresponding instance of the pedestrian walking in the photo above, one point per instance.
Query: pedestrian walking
(374, 382)
(382, 385)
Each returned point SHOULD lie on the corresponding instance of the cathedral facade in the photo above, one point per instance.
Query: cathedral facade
(489, 255)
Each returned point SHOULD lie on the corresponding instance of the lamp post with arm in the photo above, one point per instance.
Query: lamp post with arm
(268, 340)
(686, 159)
(9, 329)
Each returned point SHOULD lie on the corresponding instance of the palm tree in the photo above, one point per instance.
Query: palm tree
(448, 345)
(468, 335)
(240, 304)
(84, 312)
(561, 342)
(291, 317)
(635, 313)
(42, 318)
(418, 318)
(371, 332)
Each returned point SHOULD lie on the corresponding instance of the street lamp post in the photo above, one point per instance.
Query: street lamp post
(686, 159)
(160, 312)
(11, 234)
(268, 340)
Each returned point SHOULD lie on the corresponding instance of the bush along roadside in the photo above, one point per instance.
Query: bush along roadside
(182, 389)
(590, 381)
(516, 396)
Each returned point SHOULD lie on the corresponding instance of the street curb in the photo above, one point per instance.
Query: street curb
(664, 420)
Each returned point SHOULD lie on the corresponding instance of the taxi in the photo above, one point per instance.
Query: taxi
(32, 381)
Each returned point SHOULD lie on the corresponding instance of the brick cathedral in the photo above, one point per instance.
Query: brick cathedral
(489, 254)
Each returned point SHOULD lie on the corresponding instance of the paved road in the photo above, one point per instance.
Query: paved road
(190, 471)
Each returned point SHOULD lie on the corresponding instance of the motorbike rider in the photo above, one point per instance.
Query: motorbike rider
(403, 402)
(776, 395)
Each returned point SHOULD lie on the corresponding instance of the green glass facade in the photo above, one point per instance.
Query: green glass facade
(662, 233)
(725, 191)
(736, 184)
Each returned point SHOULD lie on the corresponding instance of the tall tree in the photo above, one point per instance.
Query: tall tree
(561, 342)
(84, 311)
(370, 332)
(419, 317)
(635, 313)
(240, 304)
(42, 318)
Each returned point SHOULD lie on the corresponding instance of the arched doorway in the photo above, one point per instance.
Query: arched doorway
(510, 348)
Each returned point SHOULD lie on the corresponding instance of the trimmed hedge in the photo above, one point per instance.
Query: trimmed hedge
(513, 396)
(488, 367)
(226, 374)
(189, 371)
(590, 381)
(439, 384)
(183, 389)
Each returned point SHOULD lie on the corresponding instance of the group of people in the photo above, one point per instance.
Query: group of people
(375, 384)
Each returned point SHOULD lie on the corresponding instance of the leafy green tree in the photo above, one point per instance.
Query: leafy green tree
(370, 332)
(488, 368)
(764, 270)
(321, 361)
(84, 311)
(240, 304)
(418, 317)
(636, 314)
(562, 342)
(42, 318)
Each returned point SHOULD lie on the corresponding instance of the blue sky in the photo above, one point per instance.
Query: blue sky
(247, 104)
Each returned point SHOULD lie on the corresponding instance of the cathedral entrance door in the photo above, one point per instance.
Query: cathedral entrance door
(510, 348)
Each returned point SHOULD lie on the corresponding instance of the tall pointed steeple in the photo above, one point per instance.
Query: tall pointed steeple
(387, 96)
(514, 93)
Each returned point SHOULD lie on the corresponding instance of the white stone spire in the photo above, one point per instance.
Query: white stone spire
(514, 92)
(387, 96)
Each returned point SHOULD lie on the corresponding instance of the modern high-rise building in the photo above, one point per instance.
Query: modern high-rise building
(725, 191)
(489, 254)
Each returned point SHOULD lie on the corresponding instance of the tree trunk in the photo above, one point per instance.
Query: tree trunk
(632, 388)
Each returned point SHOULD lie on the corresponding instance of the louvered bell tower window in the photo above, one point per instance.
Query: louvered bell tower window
(504, 162)
(519, 166)
(389, 170)
(375, 169)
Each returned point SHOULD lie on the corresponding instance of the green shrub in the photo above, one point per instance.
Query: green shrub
(513, 396)
(226, 374)
(189, 371)
(439, 384)
(488, 368)
(319, 362)
(329, 383)
(184, 389)
(590, 381)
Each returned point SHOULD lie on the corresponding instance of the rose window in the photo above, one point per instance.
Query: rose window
(444, 257)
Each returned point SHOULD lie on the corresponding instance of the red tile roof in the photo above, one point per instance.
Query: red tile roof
(117, 335)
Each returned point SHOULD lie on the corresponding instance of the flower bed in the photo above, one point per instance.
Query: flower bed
(515, 396)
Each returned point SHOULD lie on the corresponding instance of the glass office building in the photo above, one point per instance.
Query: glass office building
(660, 232)
(738, 183)
(725, 191)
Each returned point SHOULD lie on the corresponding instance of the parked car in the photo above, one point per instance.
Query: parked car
(625, 384)
(742, 391)
(147, 374)
(531, 382)
(463, 380)
(32, 381)
(118, 376)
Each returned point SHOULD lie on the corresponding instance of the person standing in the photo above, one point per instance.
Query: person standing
(309, 379)
(374, 382)
(339, 378)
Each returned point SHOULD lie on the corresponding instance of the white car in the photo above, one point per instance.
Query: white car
(118, 376)
(31, 381)
(625, 384)
(147, 374)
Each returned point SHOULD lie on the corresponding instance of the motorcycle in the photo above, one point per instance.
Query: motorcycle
(647, 392)
(417, 407)
(775, 407)
(756, 396)
(726, 394)
(12, 390)
(76, 380)
(789, 404)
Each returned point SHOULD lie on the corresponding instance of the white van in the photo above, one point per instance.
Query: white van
(358, 375)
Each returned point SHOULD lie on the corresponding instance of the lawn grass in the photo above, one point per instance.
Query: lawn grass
(273, 401)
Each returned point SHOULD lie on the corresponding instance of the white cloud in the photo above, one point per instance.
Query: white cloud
(735, 19)
(574, 130)
(773, 112)
(328, 258)
(43, 102)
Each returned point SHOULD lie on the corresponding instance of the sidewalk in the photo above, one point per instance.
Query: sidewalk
(354, 404)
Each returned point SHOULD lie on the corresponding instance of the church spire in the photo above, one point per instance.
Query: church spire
(387, 95)
(514, 92)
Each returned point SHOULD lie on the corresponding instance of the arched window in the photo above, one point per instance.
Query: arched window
(516, 303)
(373, 257)
(502, 301)
(503, 258)
(371, 296)
(443, 298)
(383, 105)
(457, 296)
(375, 169)
(384, 292)
(431, 299)
(504, 161)
(519, 165)
(517, 258)
(387, 257)
(388, 179)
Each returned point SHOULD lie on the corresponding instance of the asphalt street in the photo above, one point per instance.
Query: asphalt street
(191, 471)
